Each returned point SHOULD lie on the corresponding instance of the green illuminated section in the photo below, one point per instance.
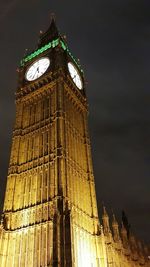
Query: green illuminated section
(52, 44)
(63, 45)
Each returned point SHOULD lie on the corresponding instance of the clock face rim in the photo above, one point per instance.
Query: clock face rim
(27, 71)
(77, 74)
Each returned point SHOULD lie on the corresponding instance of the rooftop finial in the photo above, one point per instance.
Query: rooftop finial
(126, 223)
(53, 16)
(104, 210)
(51, 34)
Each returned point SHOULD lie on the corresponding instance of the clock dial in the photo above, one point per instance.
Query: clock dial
(37, 69)
(75, 75)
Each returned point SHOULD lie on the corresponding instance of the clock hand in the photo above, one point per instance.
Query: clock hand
(34, 74)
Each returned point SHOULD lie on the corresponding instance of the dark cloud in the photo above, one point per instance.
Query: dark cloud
(111, 38)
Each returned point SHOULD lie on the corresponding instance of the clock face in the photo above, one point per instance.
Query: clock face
(37, 69)
(75, 75)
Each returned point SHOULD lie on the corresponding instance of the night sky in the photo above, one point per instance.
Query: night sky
(112, 41)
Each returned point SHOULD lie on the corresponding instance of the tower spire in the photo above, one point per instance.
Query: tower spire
(53, 16)
(124, 236)
(51, 33)
(115, 228)
(105, 219)
(126, 223)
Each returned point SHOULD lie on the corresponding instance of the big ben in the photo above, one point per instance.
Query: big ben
(50, 216)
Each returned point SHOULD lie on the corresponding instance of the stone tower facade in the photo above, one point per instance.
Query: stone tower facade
(50, 213)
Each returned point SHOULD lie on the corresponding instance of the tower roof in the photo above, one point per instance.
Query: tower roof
(51, 34)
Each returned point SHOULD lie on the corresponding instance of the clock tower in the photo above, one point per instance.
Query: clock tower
(50, 216)
(50, 213)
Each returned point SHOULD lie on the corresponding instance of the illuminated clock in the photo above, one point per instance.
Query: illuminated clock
(75, 75)
(37, 69)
